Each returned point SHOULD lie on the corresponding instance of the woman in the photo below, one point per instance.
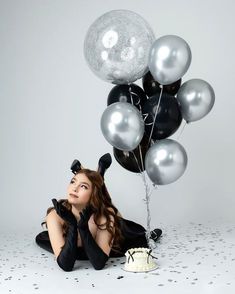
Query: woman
(87, 225)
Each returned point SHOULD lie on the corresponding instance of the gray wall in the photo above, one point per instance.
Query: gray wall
(51, 105)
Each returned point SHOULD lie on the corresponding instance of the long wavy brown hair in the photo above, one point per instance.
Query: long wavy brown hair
(101, 204)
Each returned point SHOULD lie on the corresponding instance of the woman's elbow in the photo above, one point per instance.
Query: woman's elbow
(98, 266)
(64, 267)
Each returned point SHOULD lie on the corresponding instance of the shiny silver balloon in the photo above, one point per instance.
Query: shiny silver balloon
(196, 98)
(169, 59)
(117, 46)
(122, 126)
(165, 161)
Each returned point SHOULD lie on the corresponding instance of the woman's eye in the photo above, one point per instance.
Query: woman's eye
(72, 181)
(85, 187)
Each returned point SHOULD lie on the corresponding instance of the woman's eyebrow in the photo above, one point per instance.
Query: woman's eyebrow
(81, 182)
(85, 183)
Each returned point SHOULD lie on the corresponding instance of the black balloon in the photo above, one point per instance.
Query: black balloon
(127, 160)
(152, 87)
(127, 93)
(168, 118)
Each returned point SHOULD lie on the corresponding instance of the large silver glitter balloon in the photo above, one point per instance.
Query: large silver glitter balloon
(165, 161)
(196, 98)
(169, 59)
(122, 126)
(117, 46)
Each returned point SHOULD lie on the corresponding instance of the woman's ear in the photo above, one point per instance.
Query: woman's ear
(76, 166)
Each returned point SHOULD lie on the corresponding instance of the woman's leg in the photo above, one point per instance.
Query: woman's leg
(135, 235)
(42, 239)
(155, 234)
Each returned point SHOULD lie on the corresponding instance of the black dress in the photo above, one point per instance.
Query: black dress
(133, 233)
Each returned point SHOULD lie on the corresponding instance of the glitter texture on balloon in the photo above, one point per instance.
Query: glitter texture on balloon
(117, 45)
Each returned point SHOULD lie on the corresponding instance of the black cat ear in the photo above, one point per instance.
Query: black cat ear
(104, 163)
(76, 166)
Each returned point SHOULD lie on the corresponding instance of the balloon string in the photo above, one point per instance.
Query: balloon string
(148, 193)
(155, 116)
(132, 102)
(182, 130)
(147, 202)
(140, 152)
(141, 157)
(137, 162)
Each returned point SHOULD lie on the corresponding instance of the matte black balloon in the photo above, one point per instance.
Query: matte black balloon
(152, 87)
(168, 118)
(127, 93)
(127, 160)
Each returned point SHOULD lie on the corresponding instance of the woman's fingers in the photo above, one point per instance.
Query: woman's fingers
(55, 203)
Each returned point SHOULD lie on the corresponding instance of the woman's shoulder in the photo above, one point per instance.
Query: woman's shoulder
(52, 216)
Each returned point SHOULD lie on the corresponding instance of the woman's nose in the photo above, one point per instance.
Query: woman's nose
(75, 188)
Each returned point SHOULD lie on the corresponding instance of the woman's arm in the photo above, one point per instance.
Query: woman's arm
(64, 248)
(54, 225)
(103, 238)
(96, 249)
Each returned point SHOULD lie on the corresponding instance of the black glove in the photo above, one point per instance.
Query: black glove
(64, 213)
(68, 254)
(95, 254)
(85, 215)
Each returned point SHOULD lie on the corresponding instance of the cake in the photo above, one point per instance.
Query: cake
(139, 260)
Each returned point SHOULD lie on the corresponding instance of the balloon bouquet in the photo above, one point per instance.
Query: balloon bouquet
(120, 48)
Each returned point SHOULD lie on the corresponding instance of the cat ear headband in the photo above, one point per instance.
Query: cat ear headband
(103, 164)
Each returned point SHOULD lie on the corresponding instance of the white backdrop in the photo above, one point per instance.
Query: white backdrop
(51, 105)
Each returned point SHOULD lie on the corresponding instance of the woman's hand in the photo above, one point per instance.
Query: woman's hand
(85, 215)
(64, 213)
(94, 252)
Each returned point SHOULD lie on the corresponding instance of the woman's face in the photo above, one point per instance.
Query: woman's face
(79, 190)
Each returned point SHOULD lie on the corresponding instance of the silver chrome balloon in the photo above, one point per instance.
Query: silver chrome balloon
(117, 45)
(122, 126)
(196, 98)
(169, 59)
(165, 161)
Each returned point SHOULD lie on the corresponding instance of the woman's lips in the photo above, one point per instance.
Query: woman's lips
(73, 195)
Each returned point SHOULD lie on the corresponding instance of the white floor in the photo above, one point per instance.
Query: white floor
(194, 258)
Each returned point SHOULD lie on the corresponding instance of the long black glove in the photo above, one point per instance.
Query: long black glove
(95, 254)
(68, 254)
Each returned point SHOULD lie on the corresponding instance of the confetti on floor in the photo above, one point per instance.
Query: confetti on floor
(194, 258)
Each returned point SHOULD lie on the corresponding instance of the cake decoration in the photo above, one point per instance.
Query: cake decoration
(139, 260)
